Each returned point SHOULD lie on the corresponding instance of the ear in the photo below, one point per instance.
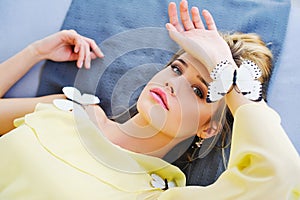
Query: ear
(210, 129)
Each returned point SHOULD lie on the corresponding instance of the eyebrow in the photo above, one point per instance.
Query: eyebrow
(203, 81)
(198, 76)
(183, 62)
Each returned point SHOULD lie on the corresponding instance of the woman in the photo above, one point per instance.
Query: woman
(178, 93)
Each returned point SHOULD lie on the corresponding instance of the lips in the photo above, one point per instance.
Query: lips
(160, 97)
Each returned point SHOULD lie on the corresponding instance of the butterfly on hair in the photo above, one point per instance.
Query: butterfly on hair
(226, 76)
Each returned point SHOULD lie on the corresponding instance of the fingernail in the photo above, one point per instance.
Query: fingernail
(102, 54)
(80, 65)
(168, 26)
(76, 49)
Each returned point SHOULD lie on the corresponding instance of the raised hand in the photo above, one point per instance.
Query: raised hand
(68, 45)
(205, 44)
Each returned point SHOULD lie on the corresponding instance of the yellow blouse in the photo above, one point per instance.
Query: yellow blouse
(263, 163)
(45, 158)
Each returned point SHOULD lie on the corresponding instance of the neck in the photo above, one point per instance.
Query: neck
(139, 136)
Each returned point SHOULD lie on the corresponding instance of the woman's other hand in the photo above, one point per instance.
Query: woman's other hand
(205, 44)
(68, 45)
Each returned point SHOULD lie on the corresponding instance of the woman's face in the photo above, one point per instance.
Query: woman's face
(174, 100)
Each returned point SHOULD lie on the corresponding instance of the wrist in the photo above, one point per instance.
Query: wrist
(222, 59)
(211, 66)
(34, 52)
(235, 99)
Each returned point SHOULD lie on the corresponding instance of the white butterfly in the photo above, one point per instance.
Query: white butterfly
(158, 182)
(225, 76)
(76, 102)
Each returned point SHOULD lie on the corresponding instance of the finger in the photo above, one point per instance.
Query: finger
(176, 36)
(87, 58)
(77, 48)
(97, 51)
(170, 27)
(173, 17)
(209, 20)
(185, 16)
(196, 18)
(80, 57)
(71, 37)
(93, 55)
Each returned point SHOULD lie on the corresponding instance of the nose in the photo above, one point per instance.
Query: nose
(176, 85)
(170, 88)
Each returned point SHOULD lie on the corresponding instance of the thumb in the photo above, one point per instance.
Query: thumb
(175, 35)
(170, 27)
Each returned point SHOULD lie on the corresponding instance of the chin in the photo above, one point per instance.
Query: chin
(153, 113)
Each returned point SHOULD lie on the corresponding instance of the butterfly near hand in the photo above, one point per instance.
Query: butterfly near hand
(75, 102)
(226, 76)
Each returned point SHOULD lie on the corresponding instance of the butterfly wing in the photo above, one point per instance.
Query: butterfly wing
(72, 93)
(222, 76)
(64, 104)
(88, 99)
(256, 91)
(246, 81)
(75, 95)
(216, 91)
(252, 68)
(70, 106)
(157, 182)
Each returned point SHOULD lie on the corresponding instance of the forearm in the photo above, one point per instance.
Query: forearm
(16, 67)
(10, 109)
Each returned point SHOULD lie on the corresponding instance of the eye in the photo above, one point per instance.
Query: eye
(176, 70)
(198, 92)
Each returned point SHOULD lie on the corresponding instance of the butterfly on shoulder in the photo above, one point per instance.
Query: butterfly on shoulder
(75, 101)
(225, 76)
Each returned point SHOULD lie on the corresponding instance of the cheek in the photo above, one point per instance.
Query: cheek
(188, 116)
(191, 115)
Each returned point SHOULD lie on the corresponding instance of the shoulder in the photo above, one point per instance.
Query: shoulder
(96, 115)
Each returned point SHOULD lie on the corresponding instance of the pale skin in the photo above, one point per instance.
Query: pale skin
(158, 124)
(65, 45)
(157, 128)
(153, 130)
